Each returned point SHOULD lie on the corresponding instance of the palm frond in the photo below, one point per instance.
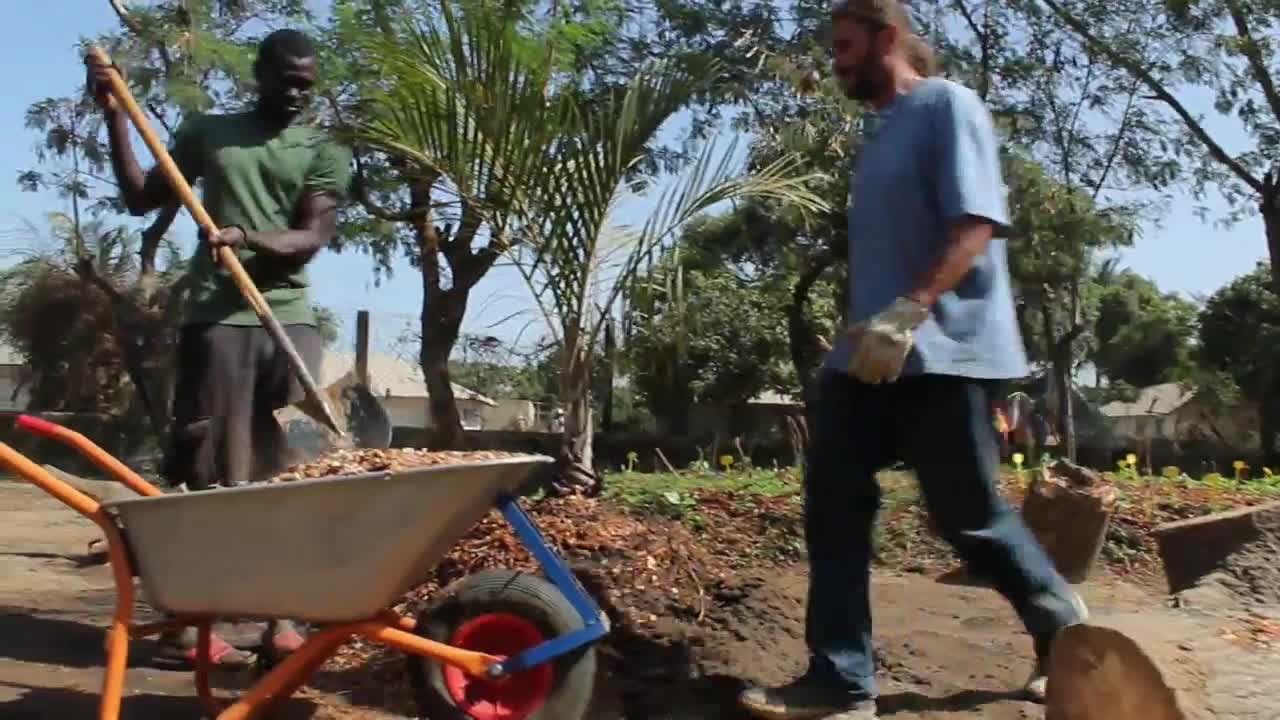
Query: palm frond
(569, 260)
(461, 99)
(587, 167)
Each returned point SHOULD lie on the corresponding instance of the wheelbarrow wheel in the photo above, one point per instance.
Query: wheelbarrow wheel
(503, 612)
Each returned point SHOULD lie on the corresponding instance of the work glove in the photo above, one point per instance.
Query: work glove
(881, 343)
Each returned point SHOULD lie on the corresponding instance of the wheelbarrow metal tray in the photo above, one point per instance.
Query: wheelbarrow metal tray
(334, 549)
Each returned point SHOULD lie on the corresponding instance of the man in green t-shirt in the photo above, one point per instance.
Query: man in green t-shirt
(273, 187)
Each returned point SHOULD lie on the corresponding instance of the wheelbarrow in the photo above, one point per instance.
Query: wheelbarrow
(339, 552)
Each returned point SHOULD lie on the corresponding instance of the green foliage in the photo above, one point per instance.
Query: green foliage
(707, 322)
(1141, 336)
(1057, 231)
(1172, 50)
(1240, 331)
(71, 282)
(675, 495)
(328, 323)
(723, 342)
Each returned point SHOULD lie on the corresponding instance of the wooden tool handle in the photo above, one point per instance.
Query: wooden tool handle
(226, 255)
(180, 185)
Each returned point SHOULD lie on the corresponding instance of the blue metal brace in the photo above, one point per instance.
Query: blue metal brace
(595, 624)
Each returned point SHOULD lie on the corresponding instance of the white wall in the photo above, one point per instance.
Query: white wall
(411, 412)
(8, 381)
(510, 414)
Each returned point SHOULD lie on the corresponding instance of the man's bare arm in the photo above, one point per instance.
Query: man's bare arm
(141, 192)
(967, 239)
(314, 225)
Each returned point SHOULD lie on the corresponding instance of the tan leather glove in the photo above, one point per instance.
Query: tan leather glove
(881, 343)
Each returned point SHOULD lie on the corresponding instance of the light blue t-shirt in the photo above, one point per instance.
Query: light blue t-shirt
(930, 158)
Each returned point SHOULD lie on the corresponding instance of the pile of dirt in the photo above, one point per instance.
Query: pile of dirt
(356, 462)
(661, 581)
(715, 593)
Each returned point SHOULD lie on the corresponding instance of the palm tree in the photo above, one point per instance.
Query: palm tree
(569, 261)
(472, 108)
(460, 108)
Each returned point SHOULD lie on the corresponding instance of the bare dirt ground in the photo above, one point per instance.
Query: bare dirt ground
(948, 651)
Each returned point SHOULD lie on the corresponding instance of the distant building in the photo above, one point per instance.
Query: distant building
(761, 416)
(1177, 413)
(12, 399)
(400, 386)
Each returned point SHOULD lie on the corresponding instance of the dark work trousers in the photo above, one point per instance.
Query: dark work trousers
(941, 427)
(230, 381)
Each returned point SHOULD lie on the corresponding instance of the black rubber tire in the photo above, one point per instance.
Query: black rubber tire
(505, 591)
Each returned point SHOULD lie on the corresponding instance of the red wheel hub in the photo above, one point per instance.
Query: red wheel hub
(514, 697)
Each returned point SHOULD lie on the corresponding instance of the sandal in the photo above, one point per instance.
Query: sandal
(281, 639)
(182, 647)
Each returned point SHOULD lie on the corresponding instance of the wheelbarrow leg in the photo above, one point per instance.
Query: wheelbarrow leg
(113, 678)
(204, 643)
(289, 675)
(118, 636)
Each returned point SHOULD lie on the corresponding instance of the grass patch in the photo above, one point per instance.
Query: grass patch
(676, 495)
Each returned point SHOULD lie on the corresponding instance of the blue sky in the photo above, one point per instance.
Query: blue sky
(1183, 254)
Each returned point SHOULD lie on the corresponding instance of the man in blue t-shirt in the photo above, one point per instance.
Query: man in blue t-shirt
(932, 329)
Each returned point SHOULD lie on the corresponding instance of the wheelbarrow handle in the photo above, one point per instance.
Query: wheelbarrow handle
(226, 256)
(90, 450)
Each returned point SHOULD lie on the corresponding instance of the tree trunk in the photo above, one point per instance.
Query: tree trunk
(574, 466)
(1269, 207)
(611, 360)
(440, 321)
(1057, 373)
(1059, 349)
(802, 338)
(1269, 426)
(1270, 410)
(1066, 406)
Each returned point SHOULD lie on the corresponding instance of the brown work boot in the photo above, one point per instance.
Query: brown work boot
(805, 699)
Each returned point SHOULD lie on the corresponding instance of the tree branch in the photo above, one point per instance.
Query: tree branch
(158, 114)
(1249, 48)
(122, 12)
(1119, 139)
(468, 266)
(984, 78)
(360, 187)
(151, 238)
(1216, 151)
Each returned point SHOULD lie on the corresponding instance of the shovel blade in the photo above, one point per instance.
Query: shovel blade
(361, 418)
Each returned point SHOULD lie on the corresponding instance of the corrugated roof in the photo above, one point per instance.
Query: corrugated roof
(389, 375)
(1153, 400)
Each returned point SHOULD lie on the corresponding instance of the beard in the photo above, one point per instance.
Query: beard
(869, 79)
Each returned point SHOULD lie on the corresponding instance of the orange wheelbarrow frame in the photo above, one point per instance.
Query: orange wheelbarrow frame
(388, 628)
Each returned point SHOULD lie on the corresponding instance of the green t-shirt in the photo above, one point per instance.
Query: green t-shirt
(254, 179)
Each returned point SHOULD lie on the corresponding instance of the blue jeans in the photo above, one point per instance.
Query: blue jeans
(942, 427)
